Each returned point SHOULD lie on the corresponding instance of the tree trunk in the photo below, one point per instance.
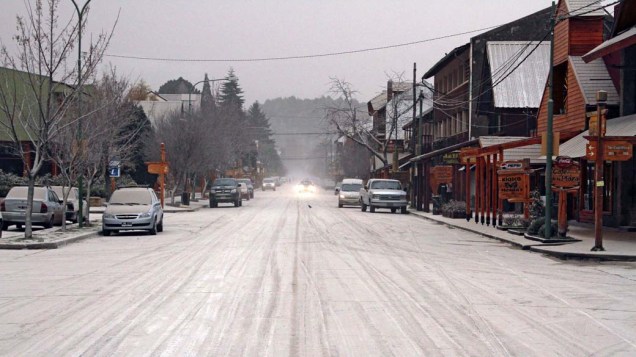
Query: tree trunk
(89, 184)
(28, 228)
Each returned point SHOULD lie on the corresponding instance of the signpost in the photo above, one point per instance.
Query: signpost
(566, 178)
(114, 171)
(513, 179)
(160, 168)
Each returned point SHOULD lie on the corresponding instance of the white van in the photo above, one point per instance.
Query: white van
(349, 193)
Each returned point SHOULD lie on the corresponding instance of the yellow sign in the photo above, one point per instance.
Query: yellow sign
(157, 168)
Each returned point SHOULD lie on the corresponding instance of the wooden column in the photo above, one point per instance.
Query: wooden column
(488, 188)
(467, 188)
(477, 189)
(493, 189)
(499, 201)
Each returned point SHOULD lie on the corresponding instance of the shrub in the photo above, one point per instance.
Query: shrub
(554, 232)
(537, 208)
(454, 206)
(535, 225)
(8, 180)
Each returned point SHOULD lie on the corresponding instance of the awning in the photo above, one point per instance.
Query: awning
(626, 39)
(444, 150)
(623, 126)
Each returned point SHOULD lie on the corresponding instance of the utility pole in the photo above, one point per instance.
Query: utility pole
(549, 136)
(416, 131)
(601, 99)
(80, 179)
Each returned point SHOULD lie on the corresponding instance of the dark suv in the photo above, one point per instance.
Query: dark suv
(225, 190)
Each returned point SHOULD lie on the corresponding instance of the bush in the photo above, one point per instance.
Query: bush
(535, 225)
(454, 207)
(554, 232)
(537, 208)
(8, 180)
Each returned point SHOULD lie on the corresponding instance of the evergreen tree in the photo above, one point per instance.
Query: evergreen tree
(231, 93)
(142, 128)
(258, 123)
(178, 86)
(207, 99)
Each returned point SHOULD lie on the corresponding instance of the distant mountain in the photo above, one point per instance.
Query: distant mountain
(299, 127)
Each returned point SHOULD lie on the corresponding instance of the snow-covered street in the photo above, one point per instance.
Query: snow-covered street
(289, 275)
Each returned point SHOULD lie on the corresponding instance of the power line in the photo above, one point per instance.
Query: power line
(283, 58)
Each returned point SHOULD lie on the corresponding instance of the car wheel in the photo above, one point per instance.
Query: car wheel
(153, 230)
(212, 204)
(371, 208)
(339, 205)
(403, 210)
(393, 210)
(248, 197)
(106, 232)
(236, 202)
(252, 195)
(18, 225)
(363, 207)
(240, 203)
(49, 224)
(5, 225)
(160, 226)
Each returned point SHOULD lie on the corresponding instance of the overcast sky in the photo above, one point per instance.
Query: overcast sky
(242, 29)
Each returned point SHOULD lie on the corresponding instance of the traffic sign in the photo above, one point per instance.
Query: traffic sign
(114, 171)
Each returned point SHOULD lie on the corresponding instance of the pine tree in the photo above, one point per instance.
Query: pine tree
(208, 104)
(231, 93)
(177, 86)
(259, 126)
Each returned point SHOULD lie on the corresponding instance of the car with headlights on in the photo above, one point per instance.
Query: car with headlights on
(269, 184)
(133, 208)
(306, 186)
(383, 193)
(349, 192)
(72, 202)
(225, 190)
(46, 211)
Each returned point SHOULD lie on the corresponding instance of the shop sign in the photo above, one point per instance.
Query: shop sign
(566, 173)
(440, 175)
(468, 155)
(157, 167)
(513, 185)
(451, 158)
(512, 165)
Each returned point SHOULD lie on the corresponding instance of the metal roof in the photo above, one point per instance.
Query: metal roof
(622, 126)
(532, 152)
(584, 7)
(520, 80)
(377, 102)
(593, 77)
(625, 39)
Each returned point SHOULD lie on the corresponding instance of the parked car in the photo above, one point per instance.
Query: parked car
(269, 184)
(245, 192)
(133, 208)
(225, 190)
(72, 202)
(383, 193)
(250, 186)
(47, 208)
(349, 192)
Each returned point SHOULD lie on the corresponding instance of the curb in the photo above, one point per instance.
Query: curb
(48, 245)
(516, 244)
(586, 256)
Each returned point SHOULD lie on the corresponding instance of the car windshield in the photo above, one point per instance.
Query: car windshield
(268, 181)
(246, 181)
(386, 185)
(58, 191)
(225, 182)
(130, 197)
(351, 187)
(20, 192)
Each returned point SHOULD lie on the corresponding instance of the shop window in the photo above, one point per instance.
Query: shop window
(560, 91)
(589, 185)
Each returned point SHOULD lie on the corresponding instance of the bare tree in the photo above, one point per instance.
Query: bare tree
(34, 98)
(349, 120)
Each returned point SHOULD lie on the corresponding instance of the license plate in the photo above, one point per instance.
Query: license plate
(126, 224)
(22, 207)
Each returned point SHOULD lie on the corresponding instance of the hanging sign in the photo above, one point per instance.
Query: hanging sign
(451, 158)
(566, 174)
(613, 150)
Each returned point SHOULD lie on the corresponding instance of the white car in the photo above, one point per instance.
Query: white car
(72, 202)
(46, 210)
(245, 192)
(349, 192)
(383, 193)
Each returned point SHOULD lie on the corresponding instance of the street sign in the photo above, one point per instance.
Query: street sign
(114, 163)
(114, 171)
(613, 150)
(157, 167)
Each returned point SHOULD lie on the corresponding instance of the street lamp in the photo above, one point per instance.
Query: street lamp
(80, 183)
(199, 82)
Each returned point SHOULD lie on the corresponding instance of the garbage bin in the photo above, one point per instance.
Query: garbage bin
(185, 198)
(437, 204)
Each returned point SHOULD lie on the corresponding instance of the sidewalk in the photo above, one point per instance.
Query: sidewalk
(54, 238)
(618, 245)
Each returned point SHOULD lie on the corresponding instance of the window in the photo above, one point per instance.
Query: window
(560, 91)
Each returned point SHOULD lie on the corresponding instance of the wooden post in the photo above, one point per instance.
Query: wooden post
(467, 183)
(563, 213)
(112, 185)
(162, 181)
(500, 201)
(487, 189)
(477, 188)
(601, 98)
(494, 189)
(482, 200)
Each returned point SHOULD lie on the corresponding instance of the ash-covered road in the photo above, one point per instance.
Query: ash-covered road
(280, 278)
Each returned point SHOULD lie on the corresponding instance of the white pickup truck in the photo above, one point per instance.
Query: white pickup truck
(383, 193)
